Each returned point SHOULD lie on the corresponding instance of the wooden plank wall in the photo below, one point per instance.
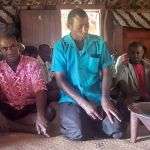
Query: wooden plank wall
(141, 35)
(40, 27)
(123, 36)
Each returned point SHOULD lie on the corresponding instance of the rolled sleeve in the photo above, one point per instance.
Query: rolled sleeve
(38, 78)
(58, 59)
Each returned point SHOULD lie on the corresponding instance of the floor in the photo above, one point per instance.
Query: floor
(20, 141)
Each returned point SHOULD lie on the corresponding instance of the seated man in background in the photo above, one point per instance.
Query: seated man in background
(81, 64)
(133, 77)
(23, 101)
(44, 56)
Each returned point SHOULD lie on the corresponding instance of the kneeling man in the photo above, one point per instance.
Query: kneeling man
(23, 100)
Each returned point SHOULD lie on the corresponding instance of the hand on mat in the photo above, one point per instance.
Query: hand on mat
(91, 110)
(109, 109)
(41, 126)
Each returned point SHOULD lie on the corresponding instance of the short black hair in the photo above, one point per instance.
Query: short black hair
(76, 12)
(42, 46)
(30, 50)
(136, 45)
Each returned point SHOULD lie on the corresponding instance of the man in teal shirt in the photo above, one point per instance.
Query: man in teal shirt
(80, 62)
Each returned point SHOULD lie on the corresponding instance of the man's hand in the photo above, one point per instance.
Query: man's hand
(109, 109)
(91, 110)
(41, 126)
(121, 60)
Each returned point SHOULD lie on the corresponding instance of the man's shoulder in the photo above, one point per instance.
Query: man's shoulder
(64, 39)
(29, 61)
(95, 38)
(63, 43)
(28, 58)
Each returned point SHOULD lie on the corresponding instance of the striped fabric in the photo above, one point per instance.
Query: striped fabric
(132, 19)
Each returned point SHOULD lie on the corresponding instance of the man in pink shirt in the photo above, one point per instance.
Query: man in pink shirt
(23, 101)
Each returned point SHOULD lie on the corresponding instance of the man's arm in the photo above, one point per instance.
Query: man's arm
(41, 101)
(105, 102)
(66, 87)
(41, 122)
(40, 90)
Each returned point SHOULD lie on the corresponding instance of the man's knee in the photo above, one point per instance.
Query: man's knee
(72, 133)
(71, 128)
(114, 130)
(70, 121)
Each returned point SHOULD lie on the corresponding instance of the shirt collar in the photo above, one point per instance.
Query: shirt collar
(88, 41)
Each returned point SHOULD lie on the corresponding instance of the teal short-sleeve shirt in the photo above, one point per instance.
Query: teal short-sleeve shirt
(82, 68)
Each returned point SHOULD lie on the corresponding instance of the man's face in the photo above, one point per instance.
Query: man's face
(79, 27)
(136, 55)
(10, 49)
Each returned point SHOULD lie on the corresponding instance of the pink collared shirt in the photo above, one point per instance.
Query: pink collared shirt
(20, 87)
